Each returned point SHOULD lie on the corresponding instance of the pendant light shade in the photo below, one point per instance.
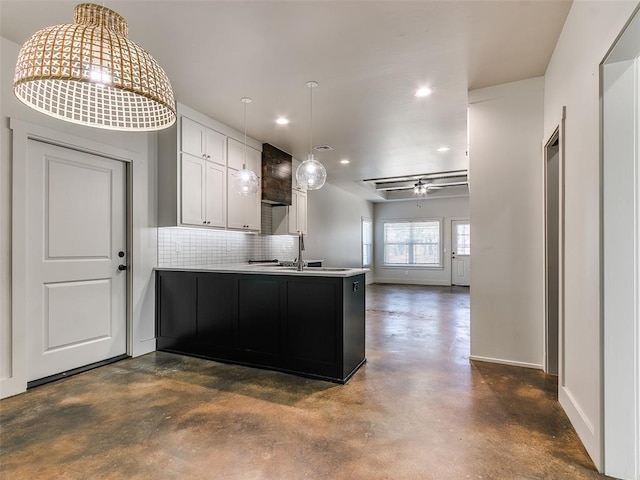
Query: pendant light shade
(245, 181)
(311, 174)
(90, 73)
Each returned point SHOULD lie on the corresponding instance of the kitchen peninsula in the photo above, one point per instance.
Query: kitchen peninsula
(309, 323)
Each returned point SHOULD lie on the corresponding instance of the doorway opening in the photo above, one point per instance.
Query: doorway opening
(552, 189)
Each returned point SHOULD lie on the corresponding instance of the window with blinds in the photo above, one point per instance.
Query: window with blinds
(415, 243)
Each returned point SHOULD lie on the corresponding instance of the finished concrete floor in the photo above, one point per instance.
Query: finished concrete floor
(418, 409)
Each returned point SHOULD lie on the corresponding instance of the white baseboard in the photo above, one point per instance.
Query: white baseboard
(12, 386)
(502, 361)
(399, 281)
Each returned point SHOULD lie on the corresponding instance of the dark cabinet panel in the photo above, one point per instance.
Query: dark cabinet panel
(258, 325)
(215, 313)
(312, 326)
(176, 304)
(354, 324)
(312, 309)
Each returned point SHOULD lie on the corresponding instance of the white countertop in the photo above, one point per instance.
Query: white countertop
(270, 269)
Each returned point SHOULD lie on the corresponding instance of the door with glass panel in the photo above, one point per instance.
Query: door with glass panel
(460, 252)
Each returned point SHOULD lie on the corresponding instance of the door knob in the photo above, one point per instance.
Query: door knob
(122, 267)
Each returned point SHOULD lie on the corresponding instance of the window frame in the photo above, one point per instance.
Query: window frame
(424, 266)
(363, 244)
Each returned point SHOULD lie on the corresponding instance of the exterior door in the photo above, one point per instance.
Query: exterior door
(460, 252)
(76, 240)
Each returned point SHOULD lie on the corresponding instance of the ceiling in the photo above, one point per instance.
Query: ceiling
(368, 58)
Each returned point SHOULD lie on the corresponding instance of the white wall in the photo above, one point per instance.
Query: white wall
(505, 173)
(334, 227)
(144, 238)
(620, 266)
(572, 79)
(445, 209)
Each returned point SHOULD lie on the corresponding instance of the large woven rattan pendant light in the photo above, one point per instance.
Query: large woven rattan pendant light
(90, 73)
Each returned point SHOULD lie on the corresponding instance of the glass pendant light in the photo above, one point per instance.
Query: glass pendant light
(245, 182)
(311, 174)
(90, 73)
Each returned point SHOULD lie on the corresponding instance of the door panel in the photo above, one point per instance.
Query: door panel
(193, 184)
(191, 137)
(460, 253)
(216, 195)
(76, 216)
(67, 304)
(75, 229)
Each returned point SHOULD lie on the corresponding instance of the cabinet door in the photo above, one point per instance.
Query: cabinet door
(259, 314)
(311, 328)
(191, 137)
(176, 308)
(235, 153)
(243, 211)
(215, 146)
(291, 213)
(193, 190)
(301, 211)
(215, 315)
(215, 195)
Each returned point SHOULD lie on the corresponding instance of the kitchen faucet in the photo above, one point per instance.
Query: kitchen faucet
(300, 249)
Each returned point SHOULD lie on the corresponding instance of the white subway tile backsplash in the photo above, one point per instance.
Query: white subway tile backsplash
(188, 247)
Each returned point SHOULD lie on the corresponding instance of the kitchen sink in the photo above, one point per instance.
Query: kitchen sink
(328, 269)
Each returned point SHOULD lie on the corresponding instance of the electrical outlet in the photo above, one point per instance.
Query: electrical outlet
(178, 246)
(406, 272)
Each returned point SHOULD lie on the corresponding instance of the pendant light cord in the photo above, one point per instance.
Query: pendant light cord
(244, 147)
(310, 118)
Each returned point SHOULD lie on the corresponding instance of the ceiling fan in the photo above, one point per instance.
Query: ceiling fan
(421, 188)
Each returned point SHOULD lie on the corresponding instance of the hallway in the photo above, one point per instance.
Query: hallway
(418, 409)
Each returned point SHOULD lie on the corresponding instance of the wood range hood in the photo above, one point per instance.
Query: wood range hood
(276, 176)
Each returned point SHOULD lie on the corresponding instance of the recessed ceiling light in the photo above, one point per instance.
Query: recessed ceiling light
(443, 149)
(282, 121)
(344, 161)
(423, 92)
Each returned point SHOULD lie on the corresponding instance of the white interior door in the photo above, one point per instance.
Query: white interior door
(460, 252)
(76, 240)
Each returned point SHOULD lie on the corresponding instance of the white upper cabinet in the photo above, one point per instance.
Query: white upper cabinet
(204, 192)
(301, 211)
(193, 190)
(201, 141)
(215, 195)
(243, 211)
(195, 185)
(289, 220)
